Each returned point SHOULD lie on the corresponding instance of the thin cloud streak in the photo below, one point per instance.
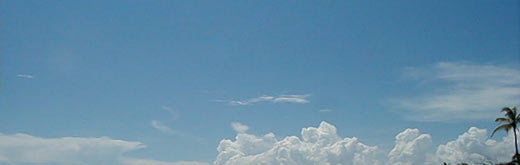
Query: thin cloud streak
(27, 76)
(163, 128)
(299, 99)
(325, 110)
(169, 131)
(292, 99)
(175, 115)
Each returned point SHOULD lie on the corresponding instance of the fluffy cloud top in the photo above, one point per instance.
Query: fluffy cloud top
(466, 87)
(322, 145)
(474, 147)
(27, 149)
(410, 148)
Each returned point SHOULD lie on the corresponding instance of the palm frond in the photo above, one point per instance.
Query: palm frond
(506, 109)
(505, 127)
(503, 120)
(509, 112)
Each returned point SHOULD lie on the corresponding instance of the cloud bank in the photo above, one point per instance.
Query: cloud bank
(462, 91)
(27, 149)
(322, 145)
(315, 145)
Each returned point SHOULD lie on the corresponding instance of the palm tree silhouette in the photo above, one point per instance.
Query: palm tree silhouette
(512, 117)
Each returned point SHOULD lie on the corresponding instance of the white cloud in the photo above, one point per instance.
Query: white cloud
(28, 76)
(301, 99)
(291, 99)
(27, 149)
(474, 147)
(22, 148)
(464, 91)
(239, 127)
(410, 148)
(322, 145)
(319, 145)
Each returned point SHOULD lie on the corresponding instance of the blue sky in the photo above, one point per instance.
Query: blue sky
(174, 75)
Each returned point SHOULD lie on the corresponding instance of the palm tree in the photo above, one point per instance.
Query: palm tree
(509, 123)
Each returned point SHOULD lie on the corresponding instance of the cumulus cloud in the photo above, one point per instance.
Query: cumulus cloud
(410, 148)
(322, 145)
(239, 127)
(462, 91)
(28, 76)
(27, 149)
(474, 147)
(300, 99)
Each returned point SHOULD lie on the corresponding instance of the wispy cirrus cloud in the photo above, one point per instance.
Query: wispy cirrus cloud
(300, 99)
(27, 76)
(174, 132)
(461, 91)
(165, 129)
(175, 115)
(292, 99)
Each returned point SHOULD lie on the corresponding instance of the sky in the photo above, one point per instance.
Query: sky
(198, 82)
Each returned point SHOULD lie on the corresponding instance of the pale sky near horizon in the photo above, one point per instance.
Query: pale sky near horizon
(180, 76)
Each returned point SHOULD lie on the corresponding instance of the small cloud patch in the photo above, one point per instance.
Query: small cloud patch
(27, 76)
